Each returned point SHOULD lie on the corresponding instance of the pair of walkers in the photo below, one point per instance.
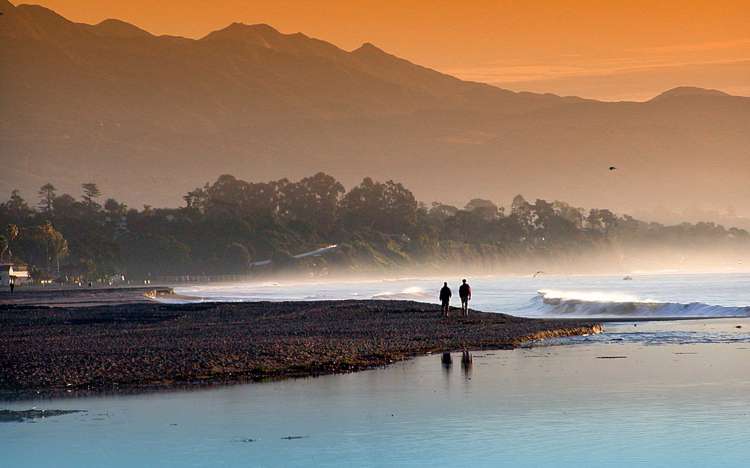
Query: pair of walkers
(464, 292)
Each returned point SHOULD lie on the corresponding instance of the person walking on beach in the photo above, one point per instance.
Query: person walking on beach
(445, 298)
(464, 292)
(12, 284)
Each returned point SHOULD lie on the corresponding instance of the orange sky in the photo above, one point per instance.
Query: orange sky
(606, 49)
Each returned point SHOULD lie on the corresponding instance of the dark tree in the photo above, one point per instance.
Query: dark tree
(484, 208)
(388, 207)
(3, 247)
(90, 193)
(47, 194)
(440, 212)
(17, 208)
(313, 200)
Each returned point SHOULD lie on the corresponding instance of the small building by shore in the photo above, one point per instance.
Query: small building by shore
(18, 273)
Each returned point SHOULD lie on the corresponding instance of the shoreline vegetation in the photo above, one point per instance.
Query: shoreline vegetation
(314, 227)
(139, 346)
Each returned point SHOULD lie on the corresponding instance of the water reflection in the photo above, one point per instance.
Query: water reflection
(657, 405)
(467, 364)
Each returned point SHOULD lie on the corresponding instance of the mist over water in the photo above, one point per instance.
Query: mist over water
(703, 295)
(719, 299)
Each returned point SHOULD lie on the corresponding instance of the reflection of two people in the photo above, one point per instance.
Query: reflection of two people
(467, 361)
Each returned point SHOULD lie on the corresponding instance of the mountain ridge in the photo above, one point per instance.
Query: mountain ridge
(150, 116)
(112, 27)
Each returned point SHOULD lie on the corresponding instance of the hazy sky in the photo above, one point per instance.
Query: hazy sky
(609, 49)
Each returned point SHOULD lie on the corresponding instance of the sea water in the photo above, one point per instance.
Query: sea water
(639, 296)
(667, 393)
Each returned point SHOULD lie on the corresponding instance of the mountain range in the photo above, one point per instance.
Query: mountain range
(151, 117)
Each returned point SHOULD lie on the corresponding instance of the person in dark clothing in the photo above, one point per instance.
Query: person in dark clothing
(12, 284)
(464, 292)
(445, 298)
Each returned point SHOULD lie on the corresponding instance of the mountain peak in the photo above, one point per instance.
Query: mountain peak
(119, 29)
(683, 91)
(244, 32)
(41, 22)
(368, 48)
(267, 37)
(257, 27)
(41, 14)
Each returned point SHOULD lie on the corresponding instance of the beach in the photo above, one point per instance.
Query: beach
(125, 342)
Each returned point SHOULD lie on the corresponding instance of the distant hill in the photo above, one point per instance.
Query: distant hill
(689, 91)
(150, 116)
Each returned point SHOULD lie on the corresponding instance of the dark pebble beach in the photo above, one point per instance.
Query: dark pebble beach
(126, 345)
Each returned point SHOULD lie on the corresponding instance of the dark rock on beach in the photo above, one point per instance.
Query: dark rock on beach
(140, 346)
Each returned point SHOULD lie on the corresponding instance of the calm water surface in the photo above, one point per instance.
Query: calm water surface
(590, 404)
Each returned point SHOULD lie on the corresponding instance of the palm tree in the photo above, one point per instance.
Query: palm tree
(13, 233)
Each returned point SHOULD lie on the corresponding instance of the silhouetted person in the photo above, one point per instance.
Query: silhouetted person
(464, 292)
(12, 285)
(445, 298)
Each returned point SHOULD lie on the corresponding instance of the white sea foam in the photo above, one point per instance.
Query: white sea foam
(592, 296)
(555, 303)
(412, 293)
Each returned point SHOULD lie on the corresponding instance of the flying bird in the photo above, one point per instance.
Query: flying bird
(537, 273)
(612, 168)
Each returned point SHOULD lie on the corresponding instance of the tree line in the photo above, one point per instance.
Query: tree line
(226, 226)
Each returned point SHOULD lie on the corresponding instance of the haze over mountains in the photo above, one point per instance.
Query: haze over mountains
(149, 118)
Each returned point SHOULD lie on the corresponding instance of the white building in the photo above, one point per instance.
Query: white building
(10, 271)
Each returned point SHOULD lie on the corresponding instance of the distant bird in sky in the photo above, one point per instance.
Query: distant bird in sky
(612, 168)
(538, 273)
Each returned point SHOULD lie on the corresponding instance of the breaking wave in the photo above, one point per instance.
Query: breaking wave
(551, 303)
(413, 293)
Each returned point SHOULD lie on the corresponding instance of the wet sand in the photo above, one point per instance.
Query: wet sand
(79, 297)
(138, 345)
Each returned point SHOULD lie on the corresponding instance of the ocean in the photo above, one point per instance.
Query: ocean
(634, 296)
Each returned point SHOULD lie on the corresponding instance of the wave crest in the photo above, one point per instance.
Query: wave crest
(551, 303)
(413, 293)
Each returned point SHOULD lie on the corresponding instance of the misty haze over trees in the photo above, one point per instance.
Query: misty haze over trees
(226, 226)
